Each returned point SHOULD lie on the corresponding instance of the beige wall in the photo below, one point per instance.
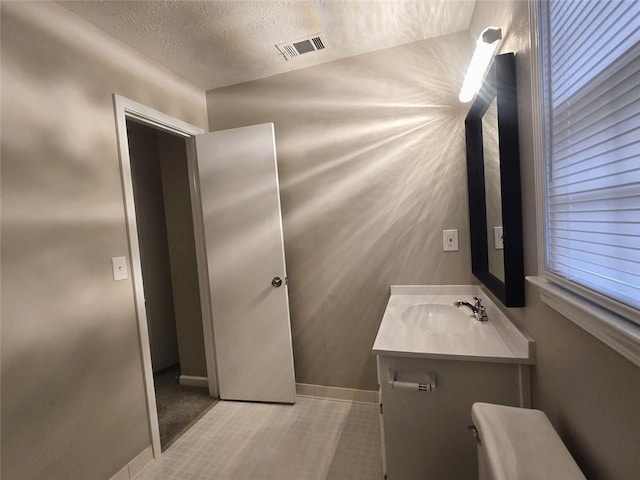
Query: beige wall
(182, 254)
(372, 169)
(590, 393)
(167, 249)
(154, 246)
(73, 404)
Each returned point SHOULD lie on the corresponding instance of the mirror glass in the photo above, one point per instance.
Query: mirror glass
(493, 198)
(493, 179)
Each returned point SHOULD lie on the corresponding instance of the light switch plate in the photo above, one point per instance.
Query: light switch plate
(119, 265)
(498, 241)
(450, 240)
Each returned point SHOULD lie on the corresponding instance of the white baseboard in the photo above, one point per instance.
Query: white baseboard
(135, 466)
(192, 381)
(337, 393)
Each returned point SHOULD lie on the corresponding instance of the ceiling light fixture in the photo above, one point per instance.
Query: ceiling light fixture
(485, 48)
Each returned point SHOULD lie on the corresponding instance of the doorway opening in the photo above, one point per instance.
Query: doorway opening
(166, 241)
(232, 184)
(177, 136)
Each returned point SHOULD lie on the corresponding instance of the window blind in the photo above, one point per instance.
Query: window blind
(591, 90)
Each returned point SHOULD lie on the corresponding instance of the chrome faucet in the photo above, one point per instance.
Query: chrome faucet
(479, 310)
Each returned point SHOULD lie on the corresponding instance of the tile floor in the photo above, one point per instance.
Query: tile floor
(315, 439)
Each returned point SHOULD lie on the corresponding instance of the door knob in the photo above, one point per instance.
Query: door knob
(276, 282)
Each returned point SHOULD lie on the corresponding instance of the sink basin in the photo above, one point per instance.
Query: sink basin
(420, 321)
(436, 318)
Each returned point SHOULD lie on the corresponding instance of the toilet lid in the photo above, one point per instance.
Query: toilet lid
(522, 444)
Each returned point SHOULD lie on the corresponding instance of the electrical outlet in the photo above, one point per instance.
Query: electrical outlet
(119, 265)
(498, 241)
(450, 240)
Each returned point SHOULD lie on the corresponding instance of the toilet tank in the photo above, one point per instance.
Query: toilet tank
(518, 443)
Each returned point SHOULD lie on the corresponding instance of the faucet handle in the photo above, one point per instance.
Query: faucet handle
(478, 302)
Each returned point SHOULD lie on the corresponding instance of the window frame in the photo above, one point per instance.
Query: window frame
(613, 322)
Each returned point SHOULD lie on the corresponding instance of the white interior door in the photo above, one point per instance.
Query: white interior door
(242, 219)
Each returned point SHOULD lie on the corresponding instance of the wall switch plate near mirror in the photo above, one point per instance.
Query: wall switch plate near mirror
(493, 176)
(498, 240)
(450, 240)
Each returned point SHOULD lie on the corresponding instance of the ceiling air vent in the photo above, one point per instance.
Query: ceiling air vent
(300, 46)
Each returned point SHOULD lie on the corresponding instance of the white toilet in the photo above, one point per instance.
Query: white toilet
(520, 444)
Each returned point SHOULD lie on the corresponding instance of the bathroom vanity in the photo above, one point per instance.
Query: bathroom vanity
(434, 361)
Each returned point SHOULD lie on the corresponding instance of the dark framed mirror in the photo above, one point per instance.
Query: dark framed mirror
(493, 175)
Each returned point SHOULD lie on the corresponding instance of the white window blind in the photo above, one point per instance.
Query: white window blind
(591, 90)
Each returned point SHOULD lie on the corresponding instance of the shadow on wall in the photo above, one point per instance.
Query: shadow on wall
(372, 169)
(69, 340)
(71, 368)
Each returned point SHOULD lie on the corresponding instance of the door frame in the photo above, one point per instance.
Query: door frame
(128, 109)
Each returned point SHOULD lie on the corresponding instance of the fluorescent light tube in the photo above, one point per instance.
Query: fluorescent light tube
(485, 48)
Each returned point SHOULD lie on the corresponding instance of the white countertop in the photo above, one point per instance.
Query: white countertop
(496, 340)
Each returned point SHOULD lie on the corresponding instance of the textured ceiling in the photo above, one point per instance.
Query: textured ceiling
(220, 43)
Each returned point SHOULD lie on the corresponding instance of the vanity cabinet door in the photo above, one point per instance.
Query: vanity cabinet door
(425, 434)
